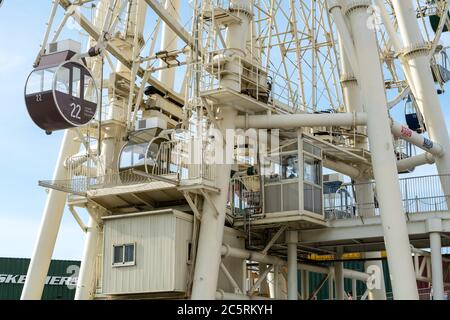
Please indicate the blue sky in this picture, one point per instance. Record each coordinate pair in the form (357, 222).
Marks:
(28, 155)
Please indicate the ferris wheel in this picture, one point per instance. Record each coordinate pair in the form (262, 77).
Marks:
(138, 78)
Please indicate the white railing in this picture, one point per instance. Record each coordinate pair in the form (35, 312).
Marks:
(177, 157)
(419, 194)
(245, 195)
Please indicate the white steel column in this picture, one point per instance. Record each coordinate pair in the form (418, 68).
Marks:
(363, 186)
(212, 227)
(169, 42)
(436, 266)
(371, 81)
(213, 218)
(434, 227)
(339, 277)
(354, 290)
(292, 240)
(86, 278)
(416, 53)
(331, 284)
(50, 223)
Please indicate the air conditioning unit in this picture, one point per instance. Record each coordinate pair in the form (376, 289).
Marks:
(151, 123)
(333, 177)
(64, 45)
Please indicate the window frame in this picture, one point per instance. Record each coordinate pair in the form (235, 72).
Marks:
(123, 263)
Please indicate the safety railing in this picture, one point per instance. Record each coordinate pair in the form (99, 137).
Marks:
(245, 196)
(419, 194)
(174, 161)
(177, 157)
(81, 185)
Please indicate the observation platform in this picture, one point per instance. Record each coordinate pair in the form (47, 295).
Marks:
(340, 153)
(241, 102)
(297, 219)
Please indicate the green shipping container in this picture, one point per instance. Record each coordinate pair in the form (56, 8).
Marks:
(316, 278)
(59, 283)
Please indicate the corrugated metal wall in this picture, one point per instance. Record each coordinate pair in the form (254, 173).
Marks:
(13, 271)
(161, 240)
(316, 278)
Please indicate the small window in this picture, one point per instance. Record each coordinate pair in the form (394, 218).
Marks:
(124, 255)
(290, 166)
(89, 91)
(76, 82)
(312, 171)
(118, 254)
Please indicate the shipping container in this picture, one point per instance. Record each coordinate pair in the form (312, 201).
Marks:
(60, 282)
(316, 278)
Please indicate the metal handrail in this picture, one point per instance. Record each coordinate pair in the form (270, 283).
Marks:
(419, 194)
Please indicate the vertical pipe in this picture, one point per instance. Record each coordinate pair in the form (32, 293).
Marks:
(291, 240)
(354, 290)
(212, 227)
(244, 277)
(436, 266)
(276, 282)
(339, 277)
(271, 280)
(50, 223)
(86, 279)
(363, 187)
(213, 220)
(331, 284)
(371, 81)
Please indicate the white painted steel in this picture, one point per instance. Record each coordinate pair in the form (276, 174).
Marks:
(86, 279)
(211, 230)
(371, 82)
(402, 131)
(213, 219)
(415, 161)
(417, 57)
(339, 277)
(286, 121)
(354, 103)
(437, 274)
(291, 240)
